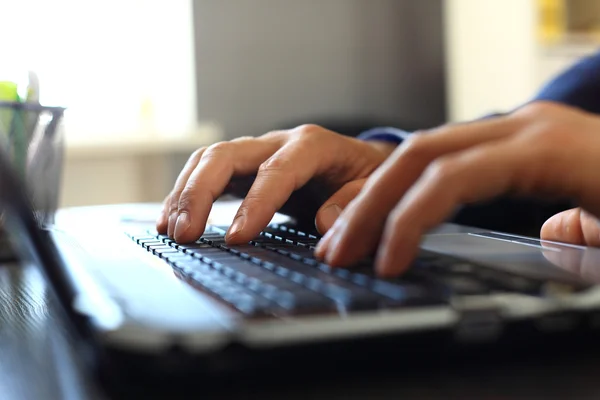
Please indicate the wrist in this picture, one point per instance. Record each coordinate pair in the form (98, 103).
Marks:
(384, 139)
(384, 147)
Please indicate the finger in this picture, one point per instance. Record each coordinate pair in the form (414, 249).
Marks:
(162, 222)
(278, 177)
(573, 226)
(169, 212)
(218, 164)
(475, 174)
(363, 220)
(332, 208)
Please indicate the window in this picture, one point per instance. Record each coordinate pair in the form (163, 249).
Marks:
(122, 67)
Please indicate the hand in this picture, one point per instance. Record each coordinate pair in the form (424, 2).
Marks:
(285, 161)
(541, 149)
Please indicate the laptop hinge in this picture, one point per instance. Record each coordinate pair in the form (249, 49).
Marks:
(480, 319)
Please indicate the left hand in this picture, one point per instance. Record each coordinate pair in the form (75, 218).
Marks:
(541, 149)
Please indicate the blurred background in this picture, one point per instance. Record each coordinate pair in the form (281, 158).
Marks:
(146, 82)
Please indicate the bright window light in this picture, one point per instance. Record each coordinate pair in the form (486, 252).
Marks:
(122, 67)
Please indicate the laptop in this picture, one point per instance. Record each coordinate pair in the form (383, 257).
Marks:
(139, 301)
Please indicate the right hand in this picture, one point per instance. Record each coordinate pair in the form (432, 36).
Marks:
(284, 161)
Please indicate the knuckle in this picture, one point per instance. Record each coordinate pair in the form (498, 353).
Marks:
(217, 150)
(545, 136)
(195, 156)
(307, 130)
(415, 147)
(173, 203)
(274, 135)
(537, 109)
(273, 165)
(186, 198)
(442, 169)
(244, 208)
(549, 136)
(243, 139)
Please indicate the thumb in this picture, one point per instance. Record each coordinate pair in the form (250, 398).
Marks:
(332, 208)
(574, 226)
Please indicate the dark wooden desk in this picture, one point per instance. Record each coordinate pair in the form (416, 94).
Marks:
(37, 362)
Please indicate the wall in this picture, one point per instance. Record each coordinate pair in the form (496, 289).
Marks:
(491, 55)
(265, 64)
(494, 59)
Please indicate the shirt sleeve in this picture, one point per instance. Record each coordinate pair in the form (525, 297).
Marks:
(578, 86)
(385, 134)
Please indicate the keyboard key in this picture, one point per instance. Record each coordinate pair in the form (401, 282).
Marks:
(342, 273)
(163, 252)
(360, 279)
(325, 268)
(391, 290)
(268, 265)
(164, 238)
(219, 256)
(153, 249)
(276, 272)
(282, 271)
(267, 256)
(268, 290)
(186, 263)
(142, 239)
(302, 252)
(175, 257)
(215, 241)
(313, 284)
(310, 261)
(195, 267)
(194, 247)
(353, 299)
(337, 293)
(251, 305)
(147, 244)
(303, 300)
(297, 277)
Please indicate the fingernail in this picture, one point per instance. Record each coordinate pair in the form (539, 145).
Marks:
(330, 214)
(238, 224)
(182, 224)
(172, 222)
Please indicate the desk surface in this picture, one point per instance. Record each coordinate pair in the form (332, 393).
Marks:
(37, 362)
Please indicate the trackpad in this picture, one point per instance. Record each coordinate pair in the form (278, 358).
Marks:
(527, 257)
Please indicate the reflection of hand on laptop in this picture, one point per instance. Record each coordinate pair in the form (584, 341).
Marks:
(284, 160)
(574, 226)
(541, 149)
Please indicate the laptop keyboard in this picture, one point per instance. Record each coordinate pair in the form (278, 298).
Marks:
(277, 274)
